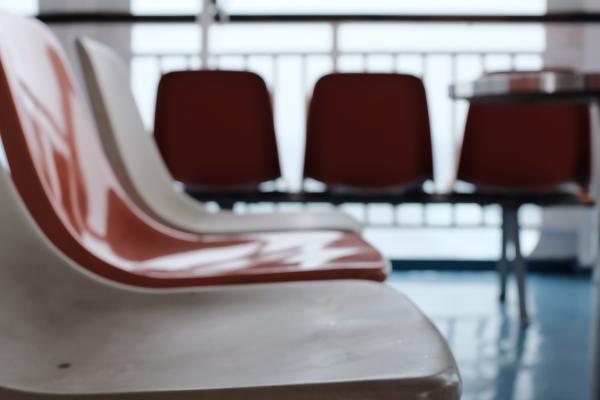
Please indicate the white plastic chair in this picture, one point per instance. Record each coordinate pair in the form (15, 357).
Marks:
(138, 164)
(66, 333)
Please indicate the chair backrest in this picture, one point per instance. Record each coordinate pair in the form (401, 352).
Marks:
(64, 179)
(129, 147)
(215, 128)
(526, 146)
(368, 131)
(59, 168)
(135, 158)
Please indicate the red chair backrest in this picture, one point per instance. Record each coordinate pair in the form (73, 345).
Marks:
(215, 128)
(368, 131)
(526, 146)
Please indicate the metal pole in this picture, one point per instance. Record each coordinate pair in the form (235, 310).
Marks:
(205, 19)
(335, 47)
(503, 262)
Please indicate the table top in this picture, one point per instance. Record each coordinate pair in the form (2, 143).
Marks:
(528, 86)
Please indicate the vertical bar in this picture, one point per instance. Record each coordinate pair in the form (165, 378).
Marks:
(335, 46)
(503, 262)
(304, 81)
(454, 110)
(397, 62)
(205, 20)
(482, 57)
(453, 126)
(365, 62)
(274, 75)
(520, 269)
(160, 60)
(305, 99)
(245, 61)
(424, 67)
(512, 57)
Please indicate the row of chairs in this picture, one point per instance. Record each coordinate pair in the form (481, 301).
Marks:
(367, 135)
(364, 131)
(104, 298)
(370, 134)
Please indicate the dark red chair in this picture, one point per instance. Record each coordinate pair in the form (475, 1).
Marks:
(368, 131)
(516, 151)
(526, 147)
(215, 129)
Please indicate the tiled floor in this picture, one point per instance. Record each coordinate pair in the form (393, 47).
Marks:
(549, 360)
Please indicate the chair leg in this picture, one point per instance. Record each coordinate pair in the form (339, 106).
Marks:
(503, 262)
(519, 265)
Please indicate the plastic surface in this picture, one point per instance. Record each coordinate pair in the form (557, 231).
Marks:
(59, 168)
(140, 169)
(67, 334)
(215, 128)
(522, 146)
(369, 131)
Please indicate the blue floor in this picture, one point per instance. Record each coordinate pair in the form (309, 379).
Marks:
(550, 360)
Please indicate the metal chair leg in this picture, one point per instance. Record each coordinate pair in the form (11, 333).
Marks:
(503, 262)
(519, 265)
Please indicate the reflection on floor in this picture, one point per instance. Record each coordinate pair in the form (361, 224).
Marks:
(550, 360)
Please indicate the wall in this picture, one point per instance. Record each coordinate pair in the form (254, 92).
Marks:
(118, 36)
(571, 231)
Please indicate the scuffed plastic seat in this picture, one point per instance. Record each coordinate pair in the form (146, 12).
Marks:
(68, 186)
(66, 334)
(141, 171)
(368, 132)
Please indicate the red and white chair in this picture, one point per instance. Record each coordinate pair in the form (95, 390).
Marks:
(73, 324)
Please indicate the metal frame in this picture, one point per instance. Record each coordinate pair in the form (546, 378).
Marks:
(556, 18)
(337, 198)
(510, 218)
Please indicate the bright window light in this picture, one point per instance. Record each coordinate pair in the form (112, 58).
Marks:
(162, 7)
(21, 7)
(385, 6)
(346, 6)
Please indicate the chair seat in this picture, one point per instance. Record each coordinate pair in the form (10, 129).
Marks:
(343, 340)
(261, 257)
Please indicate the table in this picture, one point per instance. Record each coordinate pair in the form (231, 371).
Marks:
(546, 86)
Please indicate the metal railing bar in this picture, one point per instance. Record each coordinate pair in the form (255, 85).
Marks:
(115, 17)
(346, 53)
